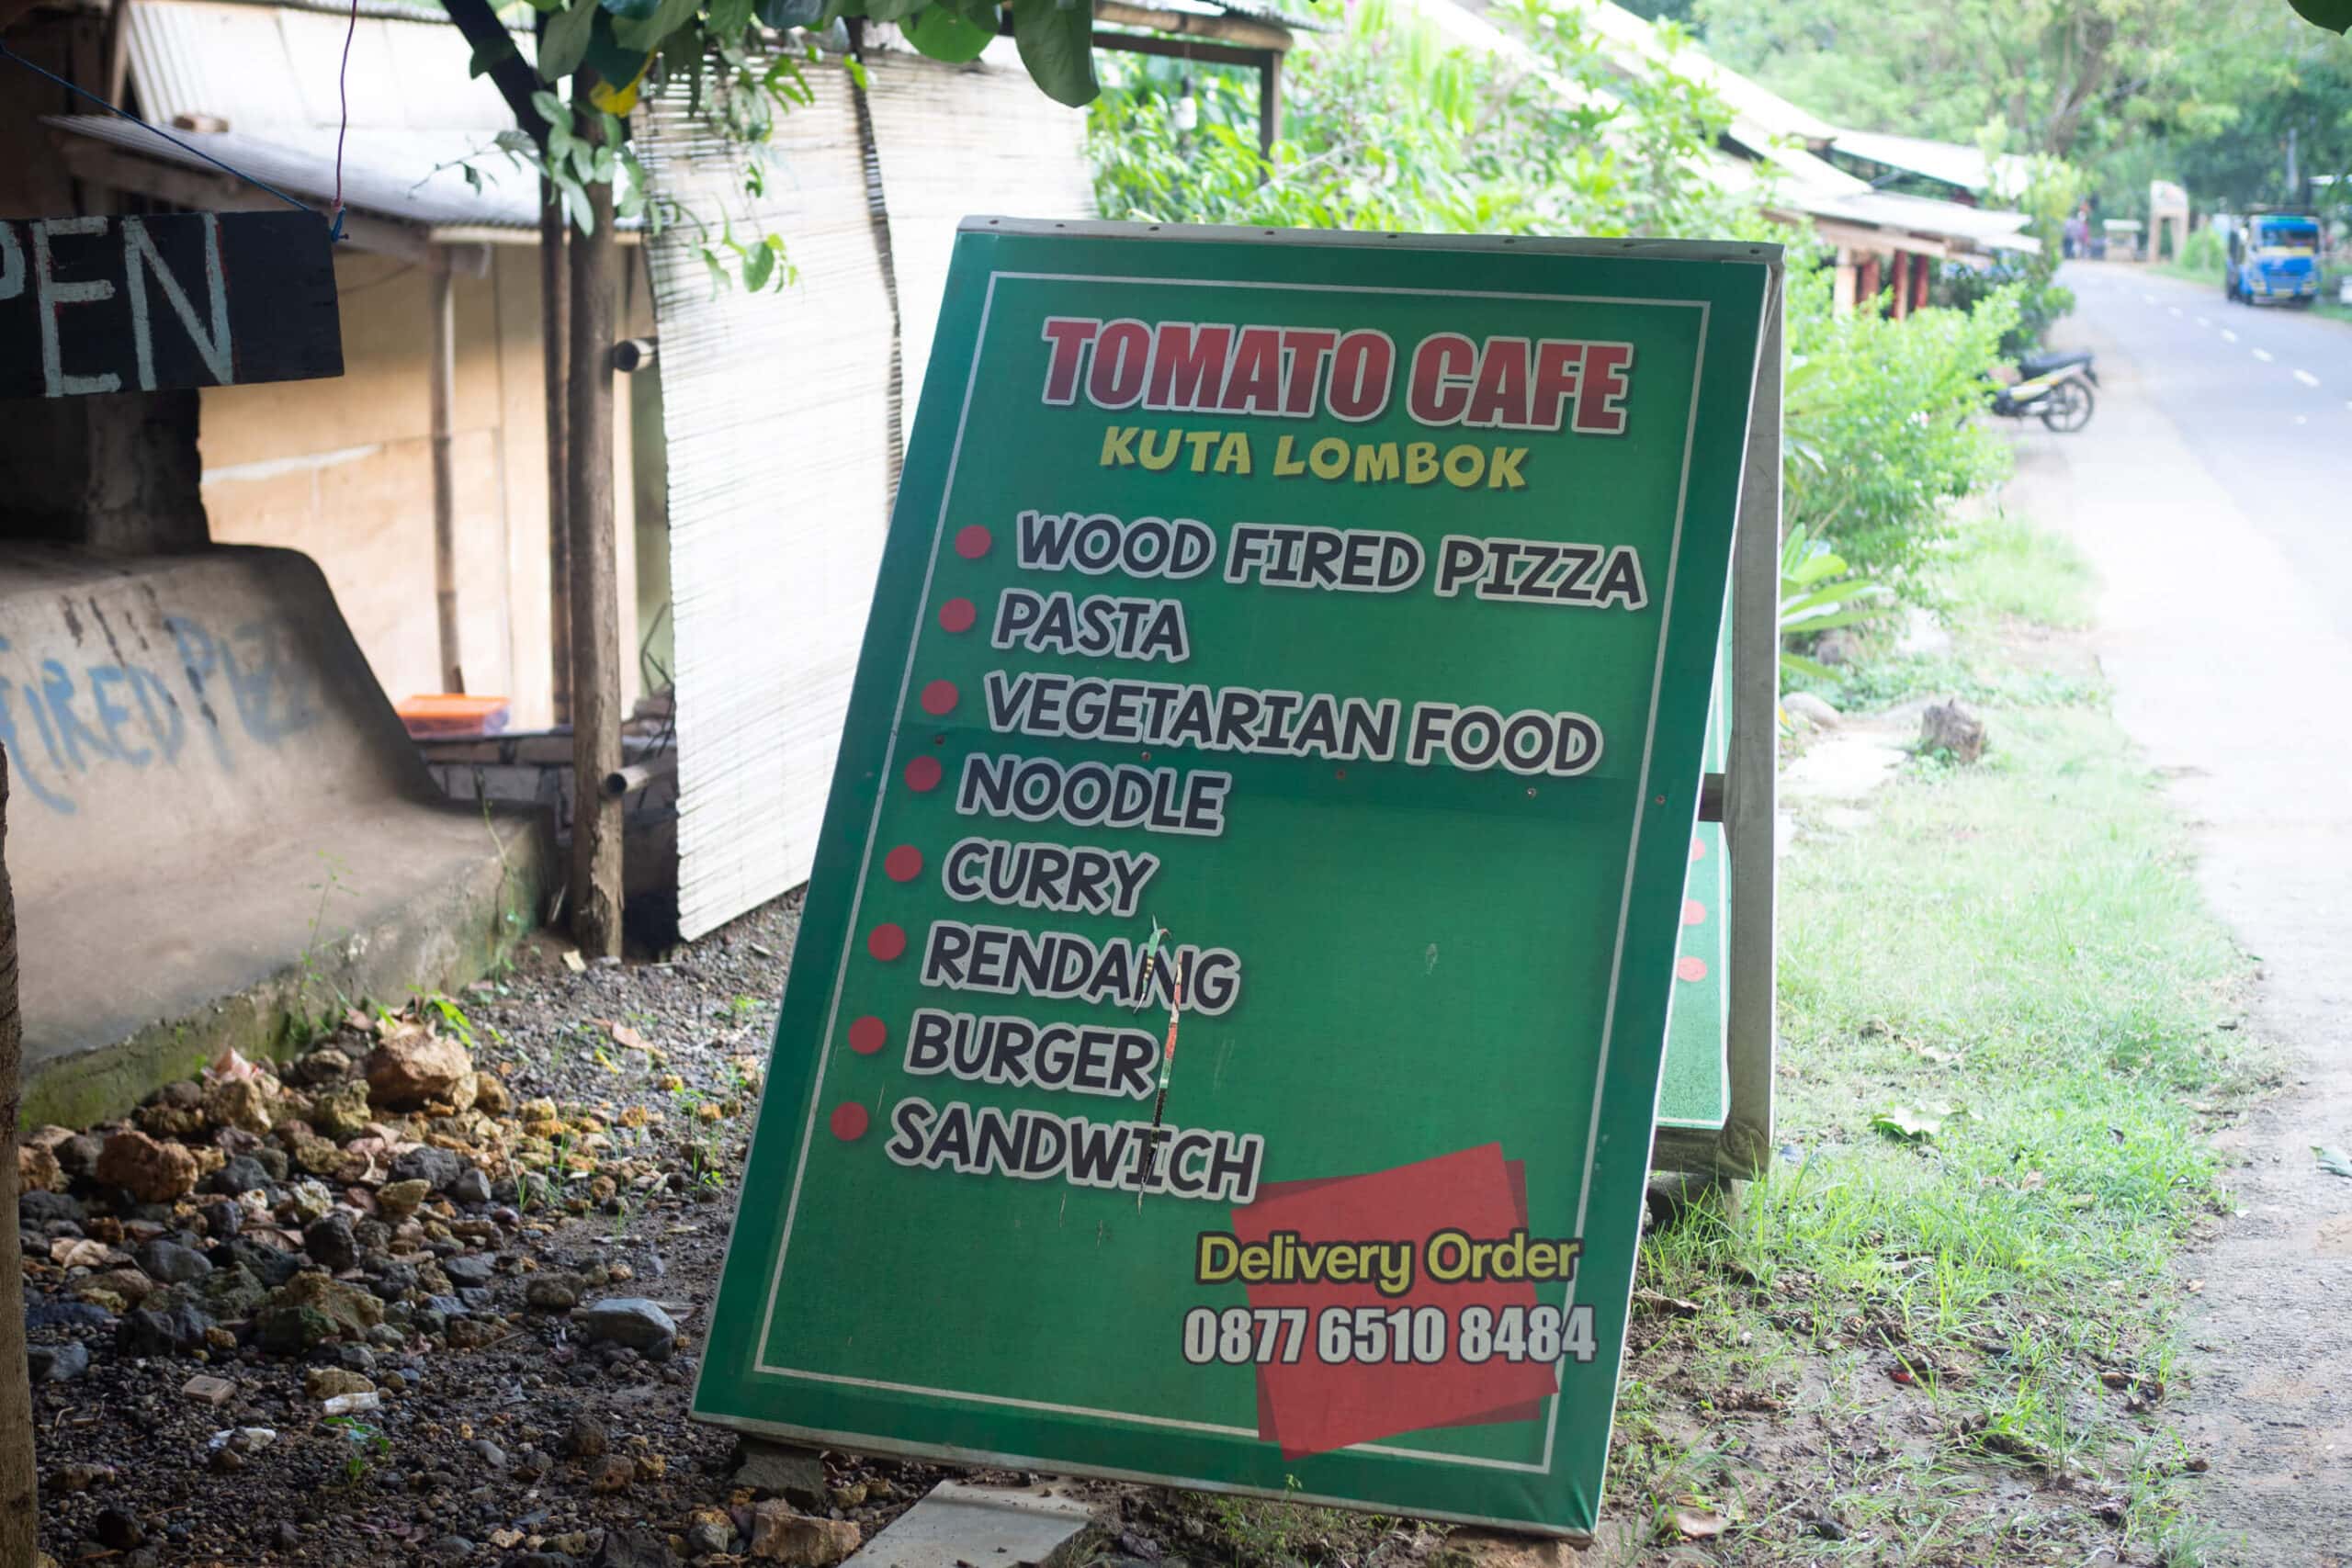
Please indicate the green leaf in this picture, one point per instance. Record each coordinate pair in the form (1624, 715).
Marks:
(1913, 1123)
(2333, 1160)
(629, 10)
(575, 206)
(566, 43)
(497, 52)
(948, 34)
(728, 19)
(1798, 664)
(551, 108)
(2335, 15)
(758, 263)
(1056, 44)
(784, 15)
(643, 35)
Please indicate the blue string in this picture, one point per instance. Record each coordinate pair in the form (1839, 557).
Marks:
(5, 52)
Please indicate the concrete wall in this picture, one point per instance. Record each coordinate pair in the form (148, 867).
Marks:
(216, 824)
(343, 471)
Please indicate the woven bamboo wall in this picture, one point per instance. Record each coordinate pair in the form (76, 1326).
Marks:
(779, 413)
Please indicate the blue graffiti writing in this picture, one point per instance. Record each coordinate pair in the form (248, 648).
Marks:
(127, 715)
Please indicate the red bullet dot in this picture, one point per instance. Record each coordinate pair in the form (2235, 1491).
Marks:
(848, 1121)
(958, 615)
(922, 774)
(903, 863)
(1694, 912)
(973, 542)
(1698, 848)
(868, 1036)
(939, 698)
(1688, 968)
(886, 942)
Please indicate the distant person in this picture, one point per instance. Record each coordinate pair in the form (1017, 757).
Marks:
(2078, 236)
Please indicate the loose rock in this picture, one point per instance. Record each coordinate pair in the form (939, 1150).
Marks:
(779, 1535)
(57, 1363)
(331, 1244)
(632, 1321)
(175, 1330)
(150, 1171)
(415, 1066)
(435, 1167)
(171, 1264)
(1951, 727)
(325, 1383)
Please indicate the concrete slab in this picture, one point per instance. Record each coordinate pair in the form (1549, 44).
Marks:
(218, 827)
(989, 1527)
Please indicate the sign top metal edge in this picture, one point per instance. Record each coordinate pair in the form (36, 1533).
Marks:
(1632, 247)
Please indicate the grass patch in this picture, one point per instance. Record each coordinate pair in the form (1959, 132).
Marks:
(2002, 565)
(1958, 1341)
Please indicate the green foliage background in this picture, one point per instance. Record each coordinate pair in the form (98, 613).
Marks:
(1386, 126)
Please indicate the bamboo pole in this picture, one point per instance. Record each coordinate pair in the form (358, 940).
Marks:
(555, 326)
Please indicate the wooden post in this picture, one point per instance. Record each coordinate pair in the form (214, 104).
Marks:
(1269, 111)
(1751, 768)
(444, 375)
(19, 1495)
(595, 574)
(555, 327)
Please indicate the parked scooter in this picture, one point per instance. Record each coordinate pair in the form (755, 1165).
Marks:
(2053, 388)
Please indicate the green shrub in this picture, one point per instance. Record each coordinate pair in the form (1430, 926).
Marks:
(2204, 251)
(1878, 418)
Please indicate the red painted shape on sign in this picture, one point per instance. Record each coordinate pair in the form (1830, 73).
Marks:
(958, 615)
(849, 1121)
(886, 942)
(922, 774)
(939, 698)
(1311, 1407)
(903, 863)
(868, 1034)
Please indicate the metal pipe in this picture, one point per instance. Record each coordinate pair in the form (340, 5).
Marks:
(443, 374)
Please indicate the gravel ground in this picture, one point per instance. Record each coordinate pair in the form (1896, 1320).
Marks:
(504, 1429)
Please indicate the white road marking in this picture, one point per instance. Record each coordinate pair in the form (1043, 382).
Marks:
(2264, 355)
(2228, 336)
(2204, 320)
(2307, 378)
(2174, 309)
(2303, 419)
(2149, 298)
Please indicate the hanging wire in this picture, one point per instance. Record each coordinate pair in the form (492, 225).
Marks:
(7, 53)
(343, 96)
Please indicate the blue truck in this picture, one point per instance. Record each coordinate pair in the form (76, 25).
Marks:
(2274, 259)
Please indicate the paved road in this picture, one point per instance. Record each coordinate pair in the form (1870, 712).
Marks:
(2261, 394)
(2212, 492)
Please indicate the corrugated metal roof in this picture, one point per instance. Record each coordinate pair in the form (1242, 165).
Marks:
(272, 73)
(263, 68)
(1946, 163)
(393, 174)
(1979, 227)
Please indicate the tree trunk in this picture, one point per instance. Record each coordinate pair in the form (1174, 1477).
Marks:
(19, 1501)
(596, 608)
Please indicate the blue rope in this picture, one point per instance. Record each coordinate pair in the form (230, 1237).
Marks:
(5, 52)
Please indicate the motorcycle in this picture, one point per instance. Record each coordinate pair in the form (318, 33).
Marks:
(2053, 388)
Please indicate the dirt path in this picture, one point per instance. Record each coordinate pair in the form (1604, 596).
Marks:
(2230, 672)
